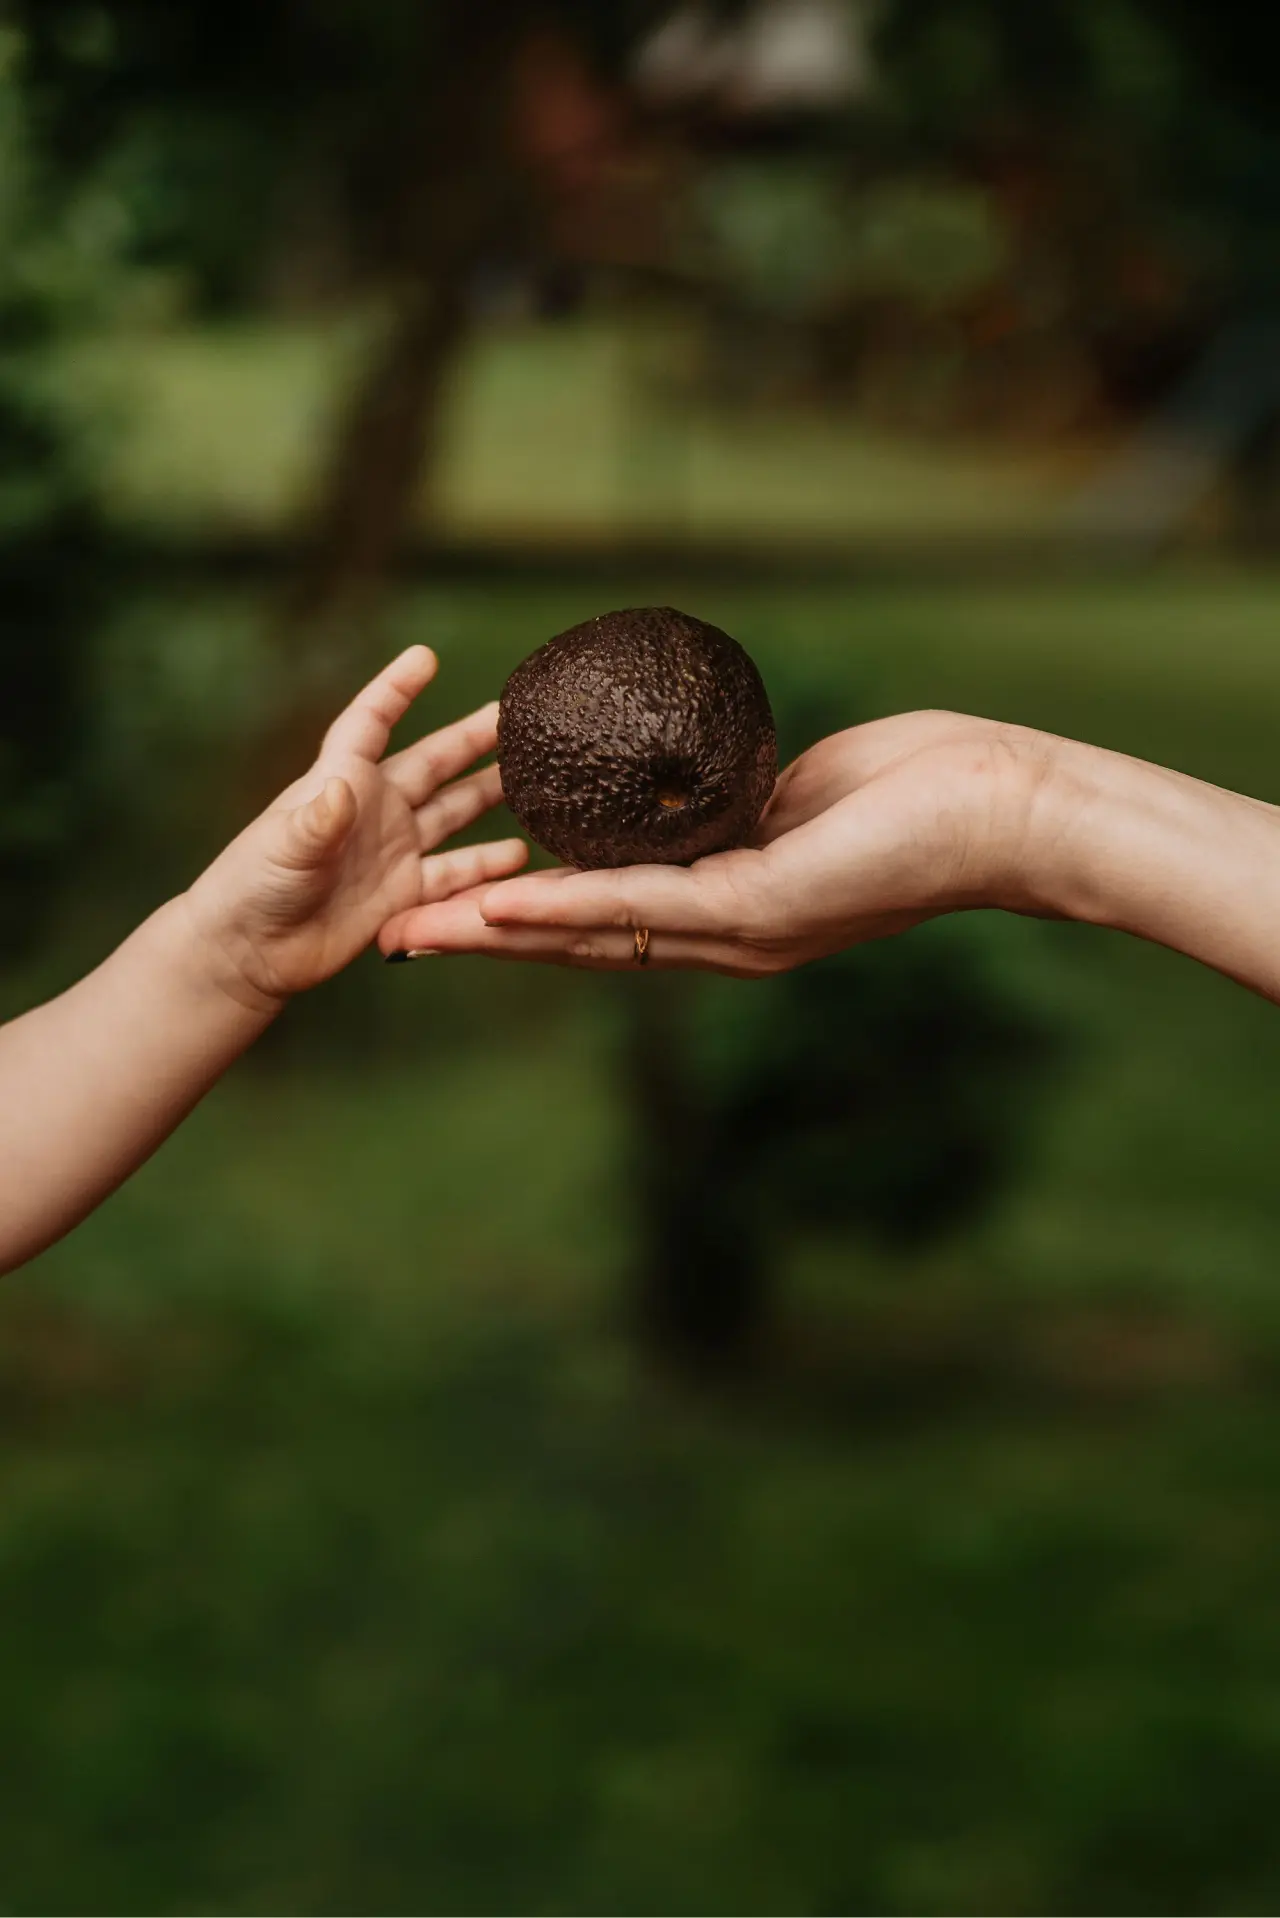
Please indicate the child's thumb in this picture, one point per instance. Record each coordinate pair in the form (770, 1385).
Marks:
(314, 832)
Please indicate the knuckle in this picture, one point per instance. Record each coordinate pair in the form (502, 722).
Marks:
(609, 903)
(299, 847)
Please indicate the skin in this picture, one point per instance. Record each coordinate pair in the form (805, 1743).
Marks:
(92, 1082)
(875, 829)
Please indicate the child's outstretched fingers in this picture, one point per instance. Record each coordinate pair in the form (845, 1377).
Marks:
(422, 768)
(365, 726)
(458, 805)
(446, 873)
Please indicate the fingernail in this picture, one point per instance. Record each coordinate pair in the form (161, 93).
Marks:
(423, 952)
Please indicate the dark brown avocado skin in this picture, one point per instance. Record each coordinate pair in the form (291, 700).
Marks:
(640, 737)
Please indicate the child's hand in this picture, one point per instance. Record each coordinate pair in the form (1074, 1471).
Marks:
(306, 887)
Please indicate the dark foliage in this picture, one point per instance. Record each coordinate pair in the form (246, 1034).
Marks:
(887, 1094)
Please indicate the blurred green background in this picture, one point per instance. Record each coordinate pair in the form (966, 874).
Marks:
(545, 1442)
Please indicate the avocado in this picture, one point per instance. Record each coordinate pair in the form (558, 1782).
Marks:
(640, 737)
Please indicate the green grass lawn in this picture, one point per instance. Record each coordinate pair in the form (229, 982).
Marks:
(570, 432)
(348, 1563)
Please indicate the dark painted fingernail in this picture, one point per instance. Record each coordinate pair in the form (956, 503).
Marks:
(395, 958)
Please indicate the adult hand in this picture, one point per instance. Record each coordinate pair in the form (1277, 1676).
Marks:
(867, 833)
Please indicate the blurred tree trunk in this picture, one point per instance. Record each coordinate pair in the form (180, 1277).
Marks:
(698, 1289)
(520, 128)
(458, 187)
(382, 448)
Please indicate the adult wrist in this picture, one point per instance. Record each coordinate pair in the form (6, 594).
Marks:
(1074, 820)
(1138, 848)
(1098, 834)
(1020, 786)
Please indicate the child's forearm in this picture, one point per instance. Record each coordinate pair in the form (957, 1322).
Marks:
(1125, 844)
(91, 1083)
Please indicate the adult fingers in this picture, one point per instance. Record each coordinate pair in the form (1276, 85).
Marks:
(456, 926)
(464, 867)
(364, 727)
(719, 897)
(458, 805)
(420, 768)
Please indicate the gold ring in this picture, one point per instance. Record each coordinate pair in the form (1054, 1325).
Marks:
(642, 947)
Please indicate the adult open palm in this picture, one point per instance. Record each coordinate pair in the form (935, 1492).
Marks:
(867, 833)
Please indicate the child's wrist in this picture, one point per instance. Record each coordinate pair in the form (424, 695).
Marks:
(208, 959)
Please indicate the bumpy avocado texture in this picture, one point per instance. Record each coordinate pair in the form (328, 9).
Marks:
(640, 737)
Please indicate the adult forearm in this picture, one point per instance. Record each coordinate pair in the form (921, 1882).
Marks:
(91, 1083)
(1118, 842)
